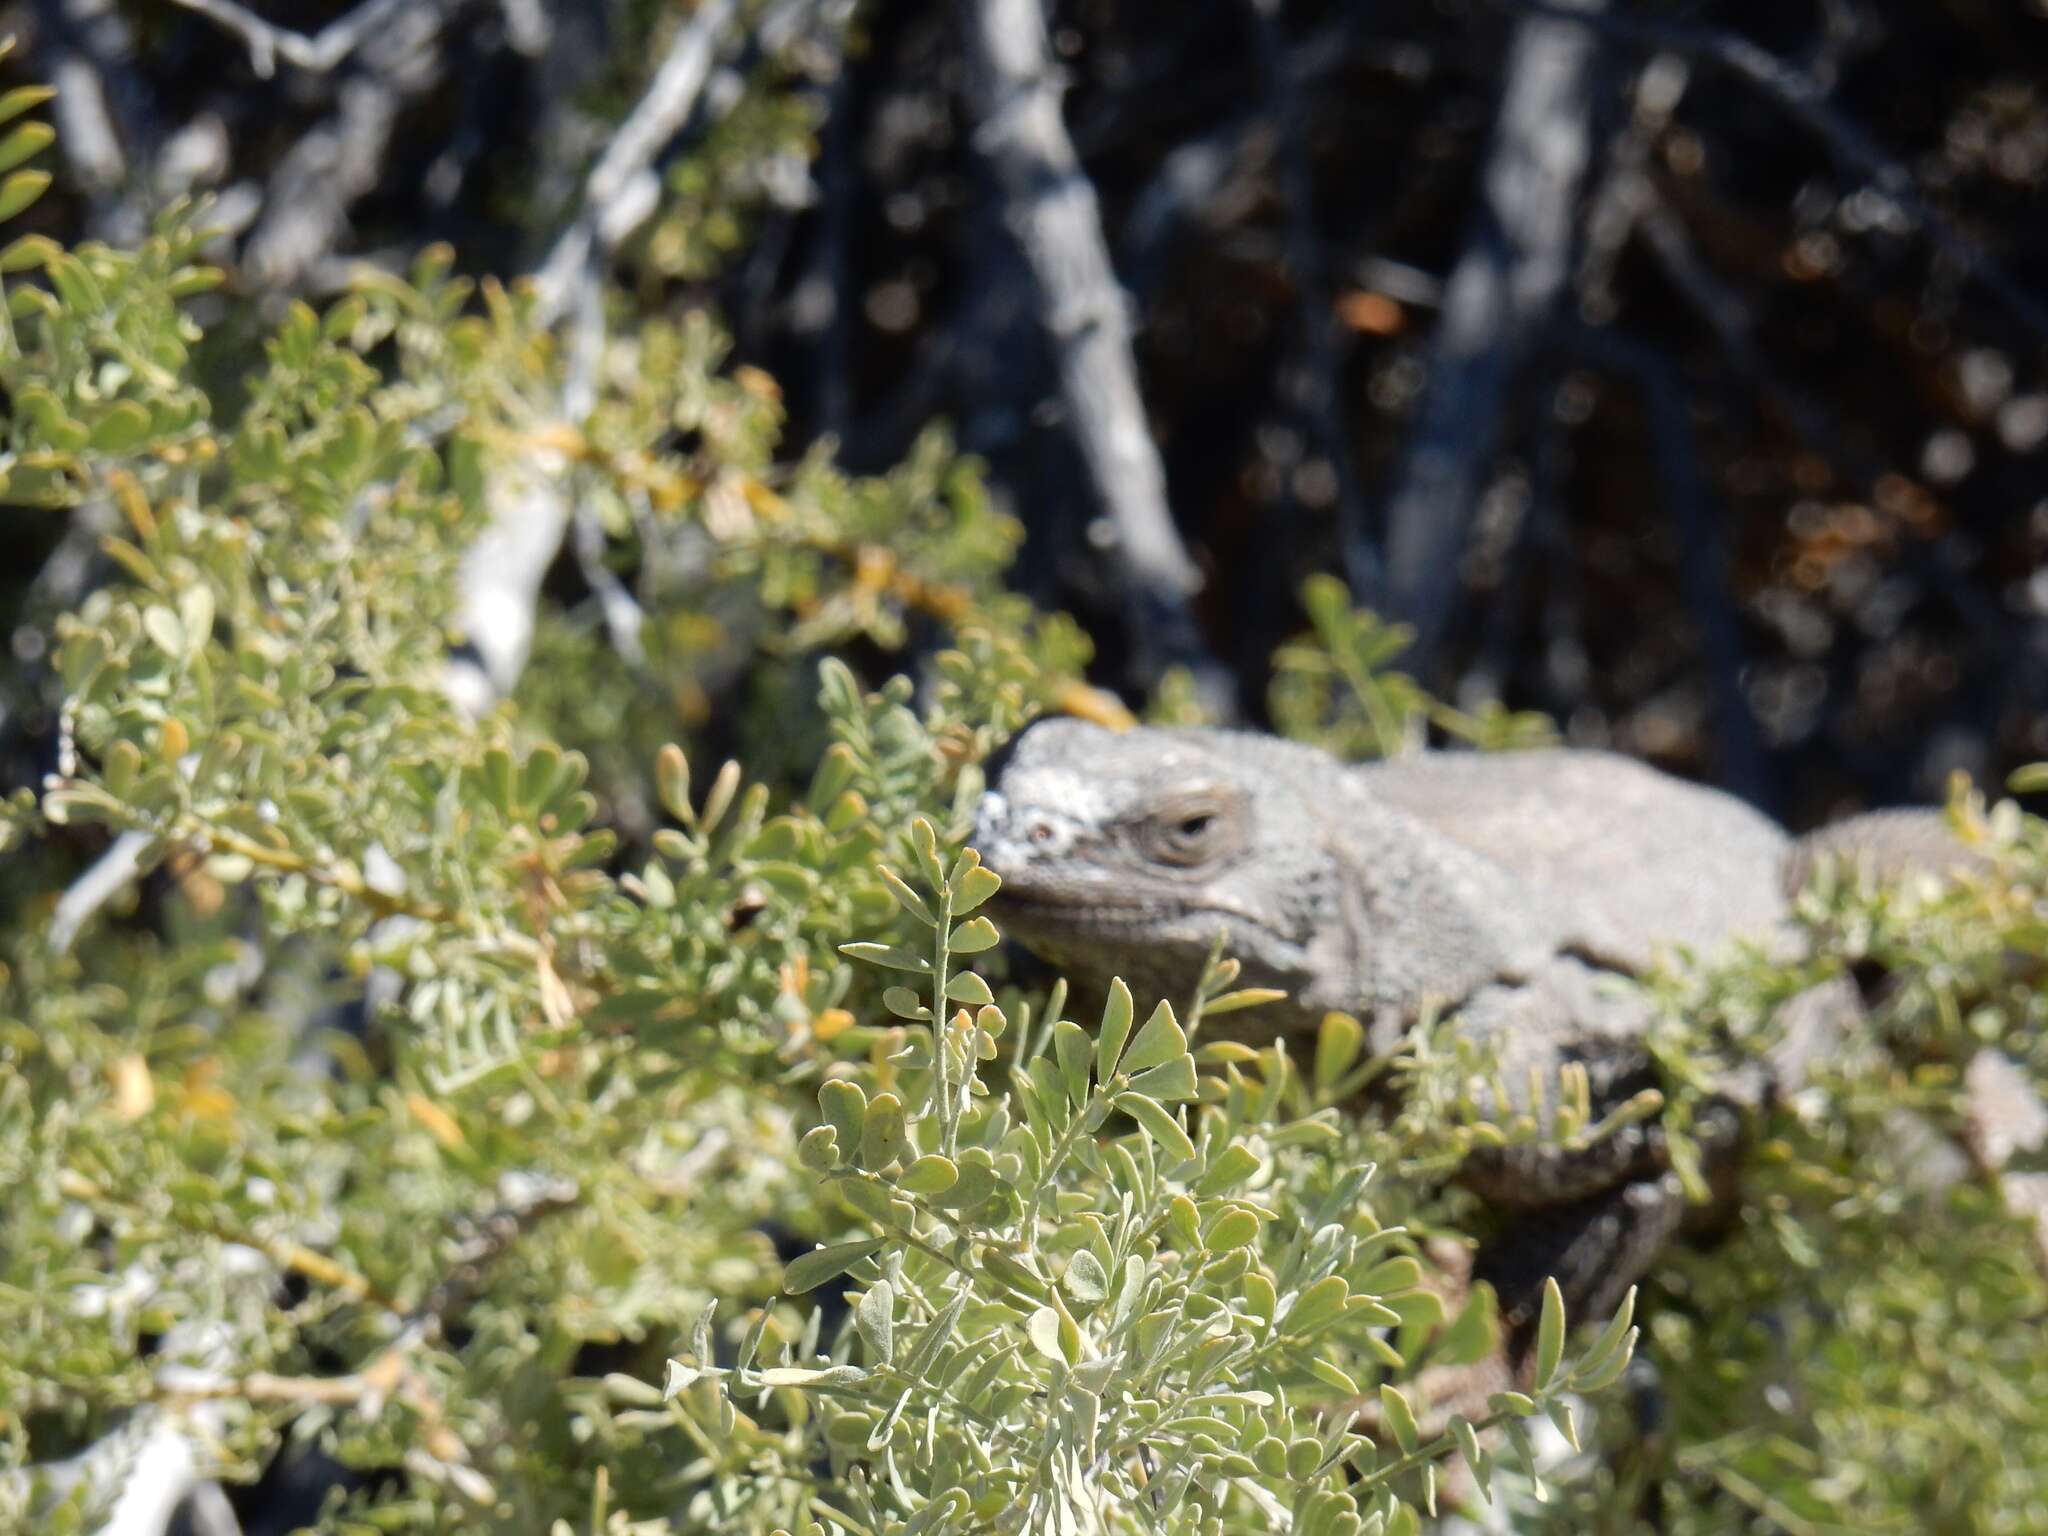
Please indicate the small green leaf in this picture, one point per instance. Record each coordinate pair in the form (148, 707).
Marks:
(904, 1003)
(931, 1174)
(884, 1138)
(162, 627)
(719, 799)
(1259, 1297)
(27, 140)
(875, 1317)
(819, 1149)
(1243, 997)
(23, 98)
(906, 898)
(1398, 1274)
(845, 1108)
(195, 613)
(1011, 1272)
(970, 989)
(1159, 1124)
(1086, 1280)
(1160, 1041)
(2029, 779)
(1399, 1417)
(1044, 1332)
(672, 783)
(974, 886)
(21, 189)
(1612, 1338)
(1549, 1335)
(924, 843)
(1115, 1029)
(890, 955)
(1235, 1228)
(497, 779)
(1228, 1168)
(28, 251)
(811, 1270)
(1175, 1082)
(1320, 1304)
(1338, 1042)
(1070, 1047)
(1330, 1376)
(974, 936)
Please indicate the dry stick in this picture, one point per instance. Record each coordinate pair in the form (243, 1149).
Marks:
(1805, 98)
(109, 875)
(1508, 277)
(502, 572)
(1051, 209)
(622, 188)
(75, 58)
(319, 53)
(344, 156)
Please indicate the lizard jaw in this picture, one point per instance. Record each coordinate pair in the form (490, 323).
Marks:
(1037, 912)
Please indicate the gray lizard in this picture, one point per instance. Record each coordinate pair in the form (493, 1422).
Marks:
(1511, 889)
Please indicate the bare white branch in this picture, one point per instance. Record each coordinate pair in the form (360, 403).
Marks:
(622, 188)
(319, 54)
(110, 874)
(1051, 207)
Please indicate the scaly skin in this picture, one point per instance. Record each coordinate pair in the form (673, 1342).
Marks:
(1509, 888)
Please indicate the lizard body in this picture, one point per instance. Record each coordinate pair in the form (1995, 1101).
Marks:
(1511, 888)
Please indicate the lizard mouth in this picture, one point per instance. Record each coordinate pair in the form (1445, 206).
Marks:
(1058, 909)
(1040, 911)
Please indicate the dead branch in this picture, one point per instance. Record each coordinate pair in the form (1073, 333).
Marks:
(1051, 209)
(622, 188)
(1504, 284)
(110, 874)
(306, 204)
(317, 54)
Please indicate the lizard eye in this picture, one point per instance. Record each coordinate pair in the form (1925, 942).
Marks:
(1188, 834)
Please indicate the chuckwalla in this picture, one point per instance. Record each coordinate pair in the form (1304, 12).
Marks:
(1507, 888)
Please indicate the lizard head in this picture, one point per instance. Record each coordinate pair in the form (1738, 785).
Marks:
(1126, 853)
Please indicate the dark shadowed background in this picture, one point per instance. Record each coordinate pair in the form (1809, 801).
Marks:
(1676, 369)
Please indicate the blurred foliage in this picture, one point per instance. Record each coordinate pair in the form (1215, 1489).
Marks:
(1334, 687)
(442, 1086)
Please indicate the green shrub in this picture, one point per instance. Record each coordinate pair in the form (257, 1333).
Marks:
(433, 1087)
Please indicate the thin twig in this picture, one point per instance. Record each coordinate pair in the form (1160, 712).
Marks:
(318, 54)
(343, 157)
(622, 188)
(1052, 210)
(624, 619)
(110, 874)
